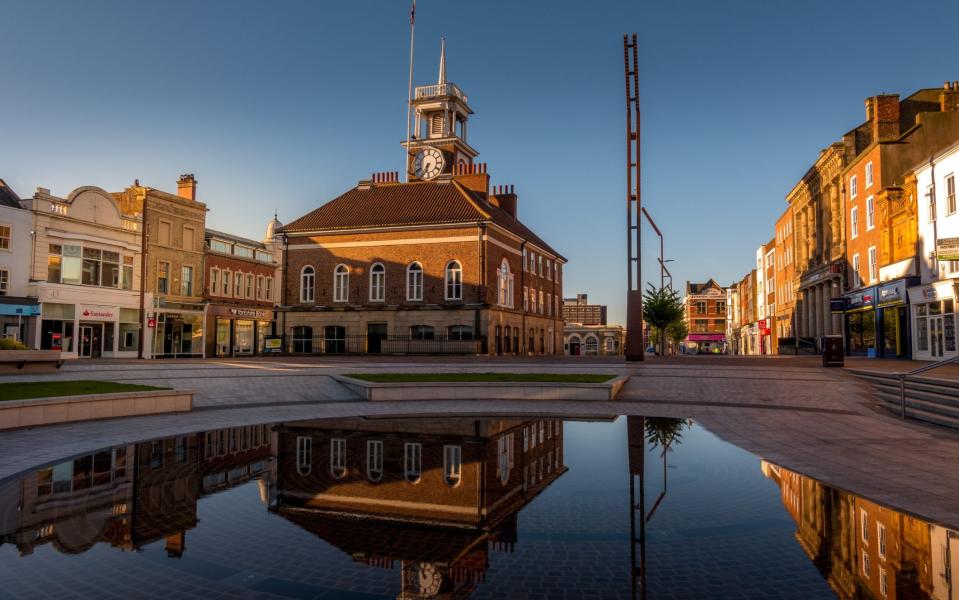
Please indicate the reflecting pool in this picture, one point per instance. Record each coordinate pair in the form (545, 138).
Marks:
(626, 507)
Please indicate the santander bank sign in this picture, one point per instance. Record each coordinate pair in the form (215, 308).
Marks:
(97, 313)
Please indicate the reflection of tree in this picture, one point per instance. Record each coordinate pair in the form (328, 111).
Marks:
(663, 432)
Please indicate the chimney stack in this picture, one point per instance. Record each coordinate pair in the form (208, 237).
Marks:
(882, 112)
(949, 98)
(186, 187)
(504, 197)
(473, 177)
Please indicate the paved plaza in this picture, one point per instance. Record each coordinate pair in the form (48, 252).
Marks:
(823, 423)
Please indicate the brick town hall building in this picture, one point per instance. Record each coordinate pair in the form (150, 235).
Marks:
(438, 264)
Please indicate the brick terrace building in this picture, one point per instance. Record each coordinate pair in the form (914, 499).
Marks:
(241, 287)
(438, 264)
(785, 290)
(579, 310)
(705, 306)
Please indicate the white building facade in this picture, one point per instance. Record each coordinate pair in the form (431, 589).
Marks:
(85, 272)
(18, 310)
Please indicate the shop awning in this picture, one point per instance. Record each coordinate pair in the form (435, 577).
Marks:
(706, 337)
(13, 306)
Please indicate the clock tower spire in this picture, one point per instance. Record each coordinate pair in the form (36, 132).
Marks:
(438, 144)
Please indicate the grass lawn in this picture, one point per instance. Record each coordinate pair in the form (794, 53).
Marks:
(47, 389)
(481, 377)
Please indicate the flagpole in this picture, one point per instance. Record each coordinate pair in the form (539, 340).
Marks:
(409, 100)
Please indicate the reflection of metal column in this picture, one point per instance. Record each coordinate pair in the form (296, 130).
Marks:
(635, 346)
(636, 440)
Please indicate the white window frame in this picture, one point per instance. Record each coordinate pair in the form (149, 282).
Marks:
(414, 282)
(214, 282)
(338, 457)
(374, 460)
(452, 464)
(870, 213)
(950, 184)
(857, 278)
(881, 539)
(308, 284)
(378, 282)
(5, 240)
(873, 265)
(931, 205)
(412, 461)
(304, 454)
(4, 282)
(341, 283)
(869, 175)
(854, 222)
(453, 280)
(864, 525)
(853, 187)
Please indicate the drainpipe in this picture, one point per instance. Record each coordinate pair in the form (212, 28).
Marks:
(143, 278)
(522, 286)
(935, 222)
(482, 289)
(283, 274)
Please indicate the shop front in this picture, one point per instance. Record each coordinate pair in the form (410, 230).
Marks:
(89, 330)
(17, 316)
(239, 331)
(705, 343)
(933, 320)
(179, 331)
(861, 323)
(893, 312)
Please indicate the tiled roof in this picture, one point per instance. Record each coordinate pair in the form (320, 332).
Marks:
(8, 197)
(696, 288)
(404, 204)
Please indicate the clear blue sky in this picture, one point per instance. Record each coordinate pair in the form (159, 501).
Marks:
(287, 104)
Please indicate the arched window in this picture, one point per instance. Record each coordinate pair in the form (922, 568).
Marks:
(377, 283)
(452, 464)
(307, 284)
(592, 344)
(454, 281)
(505, 284)
(414, 282)
(374, 460)
(304, 454)
(338, 457)
(341, 283)
(412, 461)
(609, 344)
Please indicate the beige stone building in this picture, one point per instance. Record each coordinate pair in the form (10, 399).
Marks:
(172, 252)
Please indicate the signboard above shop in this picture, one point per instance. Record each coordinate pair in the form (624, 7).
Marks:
(947, 248)
(91, 312)
(864, 300)
(236, 312)
(892, 294)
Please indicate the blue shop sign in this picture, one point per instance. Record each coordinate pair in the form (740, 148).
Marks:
(864, 300)
(22, 310)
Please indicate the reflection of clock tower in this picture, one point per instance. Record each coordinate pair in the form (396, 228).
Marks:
(438, 144)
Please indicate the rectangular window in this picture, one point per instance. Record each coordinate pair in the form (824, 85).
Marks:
(238, 285)
(163, 277)
(338, 457)
(452, 464)
(249, 285)
(412, 461)
(873, 265)
(540, 311)
(227, 279)
(218, 246)
(4, 237)
(269, 288)
(853, 187)
(856, 278)
(881, 539)
(870, 213)
(865, 564)
(931, 195)
(304, 454)
(374, 459)
(883, 582)
(163, 233)
(854, 222)
(127, 273)
(950, 194)
(186, 284)
(214, 282)
(868, 175)
(525, 298)
(4, 282)
(864, 525)
(189, 238)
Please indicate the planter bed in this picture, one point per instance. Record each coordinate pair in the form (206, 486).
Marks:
(21, 362)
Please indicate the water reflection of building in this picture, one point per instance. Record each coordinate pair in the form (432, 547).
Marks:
(132, 495)
(866, 550)
(432, 498)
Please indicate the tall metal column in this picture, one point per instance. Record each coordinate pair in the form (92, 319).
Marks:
(635, 344)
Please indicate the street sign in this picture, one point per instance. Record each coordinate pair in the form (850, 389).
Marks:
(151, 322)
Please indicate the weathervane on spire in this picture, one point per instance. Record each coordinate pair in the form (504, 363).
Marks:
(442, 78)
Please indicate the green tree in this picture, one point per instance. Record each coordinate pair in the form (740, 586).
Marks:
(660, 308)
(678, 330)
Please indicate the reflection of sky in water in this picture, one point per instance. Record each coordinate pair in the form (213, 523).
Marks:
(720, 531)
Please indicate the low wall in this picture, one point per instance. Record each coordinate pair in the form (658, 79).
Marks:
(66, 409)
(498, 390)
(23, 362)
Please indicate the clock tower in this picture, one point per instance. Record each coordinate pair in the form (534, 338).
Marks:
(437, 146)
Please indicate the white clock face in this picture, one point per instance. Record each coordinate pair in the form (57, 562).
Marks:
(428, 163)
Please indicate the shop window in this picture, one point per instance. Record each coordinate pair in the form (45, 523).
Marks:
(334, 339)
(412, 461)
(341, 284)
(377, 283)
(414, 282)
(421, 332)
(56, 334)
(307, 284)
(454, 281)
(304, 455)
(374, 460)
(302, 339)
(452, 464)
(459, 332)
(338, 457)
